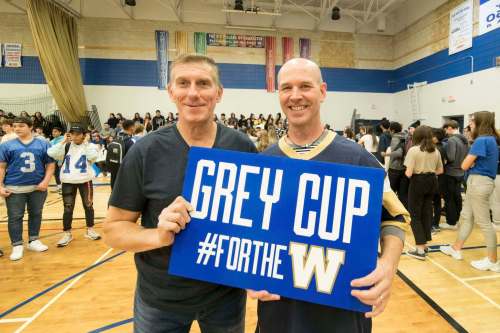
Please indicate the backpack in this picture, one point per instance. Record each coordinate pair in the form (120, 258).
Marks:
(116, 150)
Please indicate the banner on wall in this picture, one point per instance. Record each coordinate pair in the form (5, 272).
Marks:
(305, 48)
(200, 43)
(181, 42)
(461, 27)
(300, 229)
(231, 40)
(287, 48)
(489, 16)
(12, 54)
(162, 58)
(270, 63)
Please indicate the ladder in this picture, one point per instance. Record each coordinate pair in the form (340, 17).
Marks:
(414, 97)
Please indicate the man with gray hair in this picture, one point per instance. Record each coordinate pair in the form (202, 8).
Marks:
(149, 185)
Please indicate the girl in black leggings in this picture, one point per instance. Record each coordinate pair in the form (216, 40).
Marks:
(423, 164)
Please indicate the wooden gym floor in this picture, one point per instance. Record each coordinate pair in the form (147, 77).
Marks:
(87, 287)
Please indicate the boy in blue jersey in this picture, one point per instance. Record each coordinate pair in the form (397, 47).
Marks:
(25, 172)
(301, 92)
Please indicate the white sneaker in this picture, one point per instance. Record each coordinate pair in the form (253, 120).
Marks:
(17, 252)
(486, 265)
(37, 246)
(450, 251)
(92, 234)
(66, 238)
(447, 226)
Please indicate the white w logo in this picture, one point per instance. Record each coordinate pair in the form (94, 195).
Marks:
(305, 264)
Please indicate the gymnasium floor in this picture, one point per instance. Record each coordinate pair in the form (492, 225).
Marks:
(87, 287)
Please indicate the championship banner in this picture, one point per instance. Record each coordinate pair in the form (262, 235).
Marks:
(305, 48)
(161, 38)
(287, 48)
(270, 63)
(489, 15)
(200, 43)
(460, 37)
(181, 42)
(12, 54)
(299, 229)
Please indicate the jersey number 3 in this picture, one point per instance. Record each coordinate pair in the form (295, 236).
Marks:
(29, 161)
(81, 164)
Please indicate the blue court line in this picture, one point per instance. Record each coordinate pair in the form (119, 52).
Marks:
(31, 299)
(435, 248)
(110, 326)
(94, 184)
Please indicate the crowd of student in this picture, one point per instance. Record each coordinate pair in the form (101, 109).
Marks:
(429, 168)
(425, 168)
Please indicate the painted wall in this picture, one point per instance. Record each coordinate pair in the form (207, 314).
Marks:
(457, 96)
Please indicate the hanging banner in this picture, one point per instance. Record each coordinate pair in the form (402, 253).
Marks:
(12, 54)
(181, 42)
(270, 63)
(299, 229)
(461, 27)
(489, 16)
(287, 48)
(305, 48)
(200, 43)
(162, 58)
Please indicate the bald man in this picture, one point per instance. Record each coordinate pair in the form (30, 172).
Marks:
(301, 92)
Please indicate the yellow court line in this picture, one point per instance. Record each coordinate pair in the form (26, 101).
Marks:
(55, 298)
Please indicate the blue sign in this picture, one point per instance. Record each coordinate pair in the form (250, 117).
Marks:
(300, 229)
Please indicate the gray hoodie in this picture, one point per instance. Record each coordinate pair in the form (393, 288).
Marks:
(397, 149)
(456, 149)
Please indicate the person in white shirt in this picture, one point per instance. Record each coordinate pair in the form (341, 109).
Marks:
(76, 174)
(8, 131)
(368, 139)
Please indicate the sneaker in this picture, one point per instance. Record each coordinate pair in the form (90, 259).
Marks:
(92, 234)
(415, 254)
(447, 226)
(435, 230)
(37, 246)
(450, 251)
(66, 238)
(486, 265)
(17, 252)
